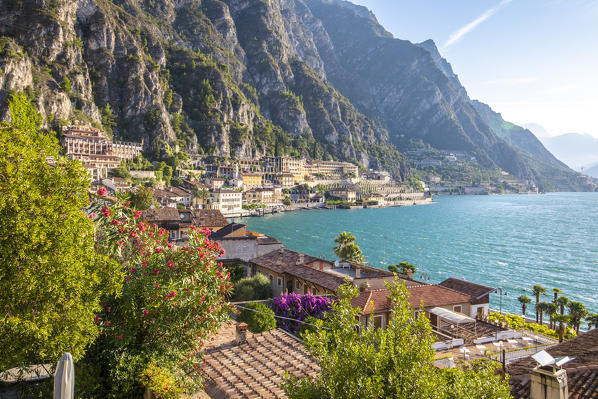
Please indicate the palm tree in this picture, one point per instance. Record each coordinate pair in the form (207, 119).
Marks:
(561, 319)
(538, 290)
(562, 301)
(347, 249)
(541, 307)
(524, 300)
(551, 309)
(201, 194)
(556, 292)
(577, 312)
(592, 320)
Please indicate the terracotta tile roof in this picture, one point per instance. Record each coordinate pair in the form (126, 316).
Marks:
(226, 230)
(256, 368)
(158, 215)
(582, 372)
(295, 263)
(372, 301)
(278, 261)
(475, 291)
(208, 218)
(435, 295)
(431, 295)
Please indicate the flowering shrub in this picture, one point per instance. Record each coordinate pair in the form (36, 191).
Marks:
(299, 307)
(518, 323)
(172, 301)
(160, 382)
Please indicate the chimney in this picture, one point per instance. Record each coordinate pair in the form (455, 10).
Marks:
(301, 259)
(241, 336)
(357, 272)
(364, 287)
(549, 383)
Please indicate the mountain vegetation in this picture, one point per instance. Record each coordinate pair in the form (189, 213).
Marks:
(312, 78)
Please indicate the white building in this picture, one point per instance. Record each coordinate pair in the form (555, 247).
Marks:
(227, 201)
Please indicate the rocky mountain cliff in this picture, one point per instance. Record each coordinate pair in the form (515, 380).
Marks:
(238, 78)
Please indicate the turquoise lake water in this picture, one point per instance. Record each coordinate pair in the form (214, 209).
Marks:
(509, 241)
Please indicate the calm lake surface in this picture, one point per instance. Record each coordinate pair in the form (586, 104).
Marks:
(509, 241)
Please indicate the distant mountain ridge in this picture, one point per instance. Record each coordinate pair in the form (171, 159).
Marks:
(244, 78)
(575, 149)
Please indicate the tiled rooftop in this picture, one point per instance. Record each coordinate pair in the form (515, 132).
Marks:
(295, 263)
(474, 290)
(256, 368)
(582, 372)
(431, 295)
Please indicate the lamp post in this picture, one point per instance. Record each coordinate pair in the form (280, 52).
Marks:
(502, 292)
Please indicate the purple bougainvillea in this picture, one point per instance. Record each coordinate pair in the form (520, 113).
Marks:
(299, 307)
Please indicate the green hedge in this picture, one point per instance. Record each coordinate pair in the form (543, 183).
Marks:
(518, 323)
(259, 319)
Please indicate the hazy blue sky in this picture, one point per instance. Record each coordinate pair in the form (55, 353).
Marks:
(531, 60)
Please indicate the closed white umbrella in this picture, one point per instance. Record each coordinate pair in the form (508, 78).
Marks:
(64, 378)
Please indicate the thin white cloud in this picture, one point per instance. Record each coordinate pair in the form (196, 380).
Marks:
(464, 30)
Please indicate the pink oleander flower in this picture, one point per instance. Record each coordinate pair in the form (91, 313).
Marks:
(127, 278)
(146, 312)
(133, 270)
(157, 286)
(144, 264)
(102, 191)
(158, 250)
(108, 309)
(106, 212)
(133, 234)
(170, 264)
(96, 319)
(120, 336)
(108, 323)
(156, 272)
(137, 214)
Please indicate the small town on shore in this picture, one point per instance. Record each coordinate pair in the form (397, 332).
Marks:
(206, 191)
(267, 184)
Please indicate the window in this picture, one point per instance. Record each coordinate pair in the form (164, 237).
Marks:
(297, 284)
(458, 308)
(378, 321)
(271, 278)
(279, 281)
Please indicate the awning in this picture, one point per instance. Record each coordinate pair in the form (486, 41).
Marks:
(449, 315)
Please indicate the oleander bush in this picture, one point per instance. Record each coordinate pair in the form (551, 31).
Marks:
(518, 323)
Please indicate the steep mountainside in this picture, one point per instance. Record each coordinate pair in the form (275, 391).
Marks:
(238, 78)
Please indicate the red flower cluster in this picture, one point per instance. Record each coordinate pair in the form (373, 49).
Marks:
(102, 191)
(170, 295)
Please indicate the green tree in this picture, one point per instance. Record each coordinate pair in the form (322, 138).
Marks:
(347, 249)
(253, 288)
(200, 194)
(562, 301)
(551, 310)
(259, 317)
(66, 85)
(524, 300)
(592, 319)
(50, 277)
(541, 307)
(556, 292)
(396, 362)
(142, 198)
(561, 320)
(538, 290)
(108, 118)
(577, 312)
